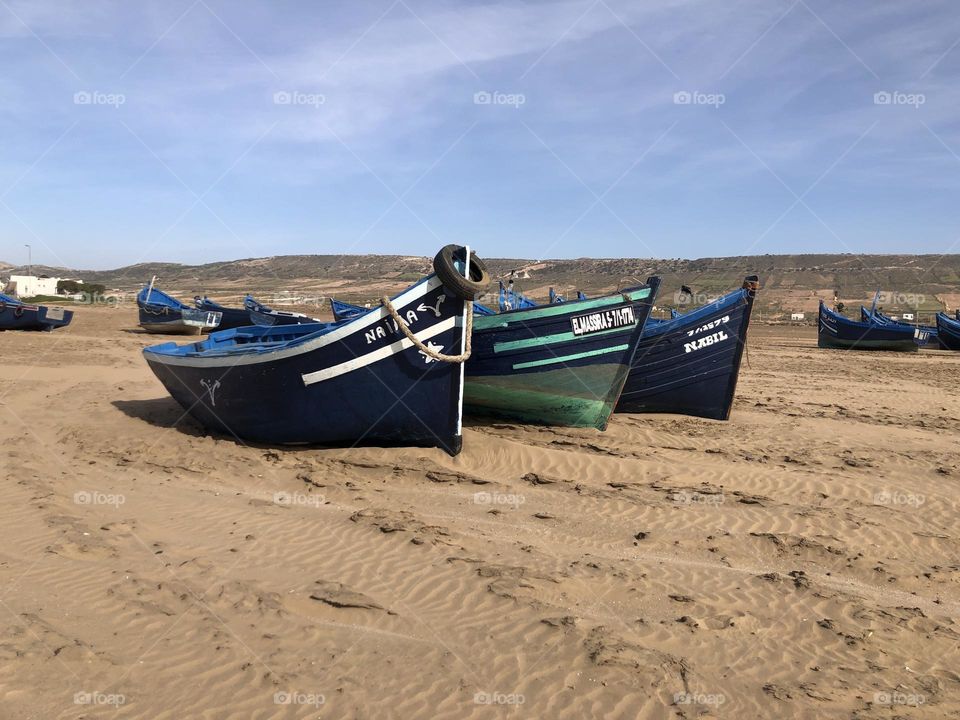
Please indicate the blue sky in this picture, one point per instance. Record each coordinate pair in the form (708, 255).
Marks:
(201, 130)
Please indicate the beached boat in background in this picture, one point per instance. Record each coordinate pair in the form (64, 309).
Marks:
(877, 316)
(559, 364)
(160, 313)
(359, 380)
(344, 310)
(18, 315)
(690, 364)
(265, 316)
(229, 317)
(948, 331)
(837, 331)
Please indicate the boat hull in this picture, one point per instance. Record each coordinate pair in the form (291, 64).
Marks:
(172, 321)
(878, 317)
(840, 333)
(33, 317)
(689, 365)
(345, 311)
(948, 332)
(230, 318)
(557, 364)
(359, 381)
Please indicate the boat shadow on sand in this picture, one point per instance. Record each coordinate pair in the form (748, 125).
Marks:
(167, 413)
(162, 413)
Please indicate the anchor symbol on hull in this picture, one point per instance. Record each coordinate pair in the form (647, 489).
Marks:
(423, 307)
(211, 389)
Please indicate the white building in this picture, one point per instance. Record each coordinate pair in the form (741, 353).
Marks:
(796, 316)
(30, 285)
(907, 316)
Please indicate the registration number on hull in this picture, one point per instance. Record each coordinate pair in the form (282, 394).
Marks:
(603, 320)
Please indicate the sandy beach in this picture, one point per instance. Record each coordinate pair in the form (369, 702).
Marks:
(799, 561)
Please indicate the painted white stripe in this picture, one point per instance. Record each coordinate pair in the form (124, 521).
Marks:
(378, 354)
(353, 326)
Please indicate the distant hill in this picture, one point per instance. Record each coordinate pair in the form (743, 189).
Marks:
(790, 282)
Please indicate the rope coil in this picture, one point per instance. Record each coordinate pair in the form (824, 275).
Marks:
(429, 352)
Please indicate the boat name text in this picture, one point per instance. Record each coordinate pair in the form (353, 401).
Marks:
(603, 320)
(705, 341)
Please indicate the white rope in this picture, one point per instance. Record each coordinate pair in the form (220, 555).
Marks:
(429, 352)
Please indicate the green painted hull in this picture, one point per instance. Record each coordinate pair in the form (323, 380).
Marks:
(573, 397)
(563, 364)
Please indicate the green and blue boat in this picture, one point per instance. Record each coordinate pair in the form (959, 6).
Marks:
(563, 364)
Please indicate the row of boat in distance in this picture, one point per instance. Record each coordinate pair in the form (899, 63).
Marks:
(878, 331)
(408, 370)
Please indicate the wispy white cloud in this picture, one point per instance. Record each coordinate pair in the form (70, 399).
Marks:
(393, 84)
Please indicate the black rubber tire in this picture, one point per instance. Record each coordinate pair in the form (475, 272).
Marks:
(446, 269)
(18, 311)
(3, 305)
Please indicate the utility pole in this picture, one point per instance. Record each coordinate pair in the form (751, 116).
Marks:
(29, 259)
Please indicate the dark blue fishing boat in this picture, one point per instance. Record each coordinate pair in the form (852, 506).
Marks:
(948, 331)
(264, 316)
(363, 379)
(561, 364)
(689, 364)
(160, 313)
(837, 331)
(509, 298)
(17, 315)
(877, 316)
(344, 310)
(229, 317)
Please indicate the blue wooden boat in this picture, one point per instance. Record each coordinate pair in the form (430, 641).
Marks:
(948, 331)
(229, 317)
(361, 380)
(690, 363)
(508, 298)
(160, 313)
(877, 316)
(837, 331)
(344, 310)
(561, 364)
(17, 315)
(265, 316)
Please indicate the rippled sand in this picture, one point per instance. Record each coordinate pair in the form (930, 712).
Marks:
(800, 560)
